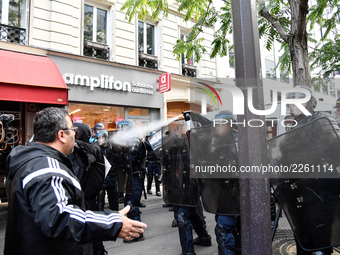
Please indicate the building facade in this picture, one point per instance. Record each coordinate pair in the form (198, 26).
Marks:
(107, 62)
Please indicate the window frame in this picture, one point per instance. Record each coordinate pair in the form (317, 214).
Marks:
(184, 60)
(109, 25)
(150, 58)
(194, 67)
(145, 23)
(4, 17)
(17, 33)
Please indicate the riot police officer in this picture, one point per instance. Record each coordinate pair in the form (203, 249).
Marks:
(109, 184)
(301, 119)
(181, 190)
(153, 168)
(97, 127)
(138, 163)
(226, 231)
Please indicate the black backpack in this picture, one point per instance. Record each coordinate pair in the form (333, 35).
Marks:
(89, 166)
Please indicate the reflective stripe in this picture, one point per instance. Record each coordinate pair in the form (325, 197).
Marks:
(90, 216)
(62, 199)
(59, 191)
(76, 213)
(54, 167)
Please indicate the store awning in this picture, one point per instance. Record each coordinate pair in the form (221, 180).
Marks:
(31, 78)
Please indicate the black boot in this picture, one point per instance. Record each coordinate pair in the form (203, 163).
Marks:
(149, 184)
(204, 241)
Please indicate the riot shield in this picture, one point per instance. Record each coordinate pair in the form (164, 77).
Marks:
(123, 168)
(156, 143)
(178, 188)
(311, 200)
(213, 148)
(310, 151)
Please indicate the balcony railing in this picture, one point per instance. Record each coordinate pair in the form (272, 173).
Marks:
(147, 60)
(189, 70)
(12, 34)
(96, 50)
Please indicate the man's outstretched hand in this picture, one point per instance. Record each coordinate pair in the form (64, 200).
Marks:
(130, 228)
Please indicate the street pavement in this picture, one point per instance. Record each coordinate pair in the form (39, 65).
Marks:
(161, 238)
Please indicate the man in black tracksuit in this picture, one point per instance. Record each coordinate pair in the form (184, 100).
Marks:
(46, 210)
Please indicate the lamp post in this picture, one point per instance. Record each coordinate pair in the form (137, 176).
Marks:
(254, 191)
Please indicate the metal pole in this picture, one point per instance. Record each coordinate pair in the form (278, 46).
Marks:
(254, 192)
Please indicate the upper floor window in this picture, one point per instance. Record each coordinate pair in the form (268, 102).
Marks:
(146, 45)
(270, 67)
(188, 68)
(95, 32)
(13, 21)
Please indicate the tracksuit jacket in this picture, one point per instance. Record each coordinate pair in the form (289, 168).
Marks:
(46, 212)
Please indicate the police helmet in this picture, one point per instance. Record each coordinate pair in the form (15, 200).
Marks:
(149, 135)
(125, 124)
(102, 137)
(310, 105)
(225, 115)
(228, 116)
(97, 127)
(337, 104)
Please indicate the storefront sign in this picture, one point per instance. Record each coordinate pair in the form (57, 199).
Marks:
(164, 82)
(107, 82)
(17, 115)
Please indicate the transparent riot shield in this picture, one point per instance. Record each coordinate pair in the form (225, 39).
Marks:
(212, 153)
(156, 143)
(178, 188)
(123, 168)
(310, 192)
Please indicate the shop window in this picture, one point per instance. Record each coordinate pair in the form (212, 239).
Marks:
(91, 114)
(140, 122)
(13, 21)
(140, 116)
(188, 68)
(138, 111)
(146, 45)
(96, 32)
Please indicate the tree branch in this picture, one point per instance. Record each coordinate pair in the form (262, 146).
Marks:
(205, 16)
(276, 24)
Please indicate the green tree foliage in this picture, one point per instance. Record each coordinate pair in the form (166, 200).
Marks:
(201, 12)
(327, 57)
(284, 21)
